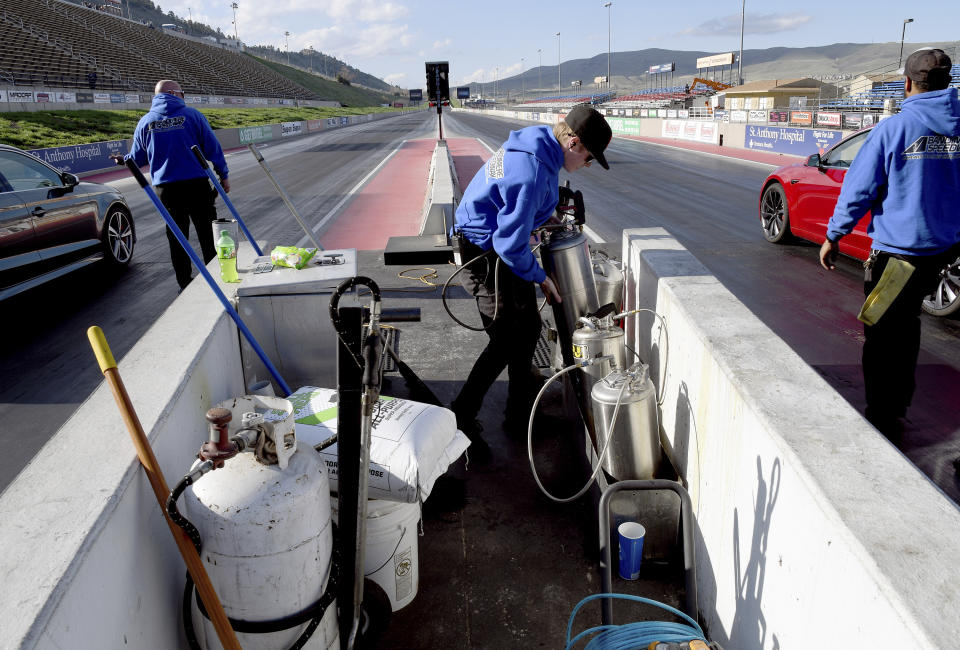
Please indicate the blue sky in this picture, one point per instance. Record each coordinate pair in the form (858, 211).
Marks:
(391, 39)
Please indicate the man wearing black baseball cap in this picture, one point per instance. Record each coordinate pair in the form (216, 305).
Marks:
(907, 175)
(514, 193)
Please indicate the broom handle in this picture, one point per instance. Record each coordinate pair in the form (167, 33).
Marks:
(154, 474)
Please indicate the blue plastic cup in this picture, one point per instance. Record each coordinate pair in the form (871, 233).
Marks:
(631, 536)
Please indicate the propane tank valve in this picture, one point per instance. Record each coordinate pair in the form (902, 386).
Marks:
(218, 448)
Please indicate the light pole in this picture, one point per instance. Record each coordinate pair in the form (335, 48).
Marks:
(523, 86)
(310, 48)
(235, 6)
(540, 70)
(287, 35)
(559, 87)
(743, 13)
(609, 11)
(902, 35)
(496, 82)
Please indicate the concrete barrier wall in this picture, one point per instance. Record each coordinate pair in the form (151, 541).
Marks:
(812, 530)
(88, 558)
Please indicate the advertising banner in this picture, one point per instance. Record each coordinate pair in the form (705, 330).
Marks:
(801, 117)
(672, 113)
(3, 95)
(254, 134)
(288, 129)
(314, 125)
(683, 114)
(715, 60)
(738, 116)
(694, 131)
(853, 120)
(869, 119)
(82, 157)
(625, 126)
(661, 112)
(416, 94)
(778, 116)
(721, 115)
(42, 98)
(216, 100)
(84, 98)
(118, 98)
(20, 96)
(828, 119)
(780, 139)
(756, 116)
(66, 98)
(101, 98)
(344, 120)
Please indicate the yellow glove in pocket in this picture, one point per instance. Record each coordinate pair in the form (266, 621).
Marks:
(894, 278)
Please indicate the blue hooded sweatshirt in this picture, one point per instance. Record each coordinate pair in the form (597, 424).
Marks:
(164, 137)
(908, 175)
(515, 192)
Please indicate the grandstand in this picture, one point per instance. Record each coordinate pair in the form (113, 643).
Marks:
(57, 44)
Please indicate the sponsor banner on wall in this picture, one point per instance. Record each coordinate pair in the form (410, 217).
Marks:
(250, 134)
(781, 139)
(756, 116)
(20, 96)
(84, 97)
(216, 100)
(672, 113)
(314, 125)
(130, 98)
(828, 119)
(101, 98)
(66, 98)
(118, 98)
(625, 126)
(191, 99)
(42, 97)
(853, 120)
(778, 116)
(738, 116)
(721, 115)
(288, 129)
(692, 130)
(82, 157)
(661, 112)
(3, 95)
(801, 117)
(683, 114)
(344, 120)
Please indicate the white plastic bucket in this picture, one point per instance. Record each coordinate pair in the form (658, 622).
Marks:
(391, 554)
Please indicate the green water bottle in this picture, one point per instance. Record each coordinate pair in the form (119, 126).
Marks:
(227, 254)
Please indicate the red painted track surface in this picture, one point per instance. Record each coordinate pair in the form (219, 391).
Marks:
(468, 156)
(390, 204)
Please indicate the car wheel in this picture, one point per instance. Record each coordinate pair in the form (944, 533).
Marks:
(118, 237)
(945, 300)
(774, 216)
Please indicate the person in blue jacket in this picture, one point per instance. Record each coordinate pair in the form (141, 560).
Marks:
(163, 138)
(515, 192)
(907, 175)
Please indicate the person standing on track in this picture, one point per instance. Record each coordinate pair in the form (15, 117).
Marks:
(163, 138)
(515, 192)
(907, 175)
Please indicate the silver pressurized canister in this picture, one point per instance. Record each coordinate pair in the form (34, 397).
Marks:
(633, 451)
(566, 260)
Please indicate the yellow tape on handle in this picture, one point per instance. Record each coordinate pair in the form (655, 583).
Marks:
(101, 349)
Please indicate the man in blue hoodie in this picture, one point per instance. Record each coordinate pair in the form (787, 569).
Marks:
(163, 138)
(907, 175)
(515, 192)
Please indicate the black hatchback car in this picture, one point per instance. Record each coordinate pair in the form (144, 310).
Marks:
(51, 223)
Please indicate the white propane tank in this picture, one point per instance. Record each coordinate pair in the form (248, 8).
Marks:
(267, 535)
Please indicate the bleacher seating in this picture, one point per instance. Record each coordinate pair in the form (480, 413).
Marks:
(876, 98)
(48, 42)
(652, 97)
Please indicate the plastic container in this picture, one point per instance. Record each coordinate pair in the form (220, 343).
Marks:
(227, 254)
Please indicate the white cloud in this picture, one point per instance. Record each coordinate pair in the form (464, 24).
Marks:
(395, 78)
(754, 24)
(445, 42)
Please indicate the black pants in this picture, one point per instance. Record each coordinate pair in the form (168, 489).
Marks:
(513, 337)
(186, 201)
(891, 346)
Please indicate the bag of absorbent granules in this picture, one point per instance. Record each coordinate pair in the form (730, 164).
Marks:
(412, 443)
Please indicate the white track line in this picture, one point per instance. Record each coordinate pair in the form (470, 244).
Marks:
(350, 194)
(704, 153)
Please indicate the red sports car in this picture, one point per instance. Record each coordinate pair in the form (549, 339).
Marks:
(798, 200)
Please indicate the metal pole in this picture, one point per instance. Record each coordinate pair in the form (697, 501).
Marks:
(559, 86)
(523, 88)
(902, 35)
(235, 6)
(540, 70)
(287, 37)
(743, 13)
(283, 195)
(609, 11)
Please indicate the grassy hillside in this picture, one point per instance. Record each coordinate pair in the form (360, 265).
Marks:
(38, 130)
(329, 90)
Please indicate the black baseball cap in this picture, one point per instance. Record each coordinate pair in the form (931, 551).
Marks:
(930, 66)
(592, 129)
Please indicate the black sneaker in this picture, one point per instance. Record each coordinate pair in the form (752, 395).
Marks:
(479, 450)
